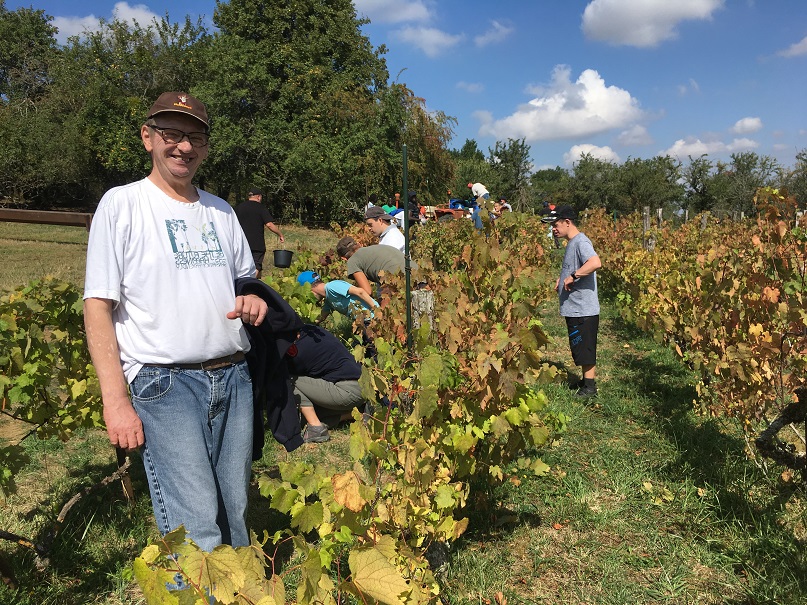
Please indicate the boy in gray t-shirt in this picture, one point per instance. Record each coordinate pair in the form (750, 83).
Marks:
(577, 292)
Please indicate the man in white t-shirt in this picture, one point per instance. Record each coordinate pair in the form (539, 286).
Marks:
(165, 330)
(380, 224)
(478, 190)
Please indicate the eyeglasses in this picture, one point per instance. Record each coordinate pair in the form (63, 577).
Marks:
(172, 136)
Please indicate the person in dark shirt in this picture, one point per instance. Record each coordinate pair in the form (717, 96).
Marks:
(326, 381)
(254, 217)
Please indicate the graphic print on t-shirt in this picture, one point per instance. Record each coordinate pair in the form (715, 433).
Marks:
(195, 246)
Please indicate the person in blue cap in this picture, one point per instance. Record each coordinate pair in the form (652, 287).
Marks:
(338, 295)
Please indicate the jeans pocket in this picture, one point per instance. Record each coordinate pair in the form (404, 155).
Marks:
(243, 371)
(151, 384)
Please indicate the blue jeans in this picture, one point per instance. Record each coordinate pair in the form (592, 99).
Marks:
(198, 450)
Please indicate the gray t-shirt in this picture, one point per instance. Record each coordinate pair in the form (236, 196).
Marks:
(370, 260)
(582, 300)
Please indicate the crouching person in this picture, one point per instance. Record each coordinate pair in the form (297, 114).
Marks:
(326, 381)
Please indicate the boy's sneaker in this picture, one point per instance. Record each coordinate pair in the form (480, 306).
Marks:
(585, 391)
(576, 384)
(316, 434)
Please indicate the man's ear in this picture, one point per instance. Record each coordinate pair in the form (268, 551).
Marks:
(145, 136)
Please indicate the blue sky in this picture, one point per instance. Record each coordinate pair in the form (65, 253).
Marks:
(616, 78)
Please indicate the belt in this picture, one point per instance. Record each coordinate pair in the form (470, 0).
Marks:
(210, 364)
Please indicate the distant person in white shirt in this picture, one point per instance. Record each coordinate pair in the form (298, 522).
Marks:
(479, 190)
(380, 224)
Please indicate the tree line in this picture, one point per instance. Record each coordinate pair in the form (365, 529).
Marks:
(302, 105)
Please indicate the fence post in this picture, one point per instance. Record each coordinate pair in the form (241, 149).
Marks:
(423, 308)
(659, 217)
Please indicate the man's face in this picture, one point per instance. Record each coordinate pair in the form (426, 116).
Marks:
(376, 226)
(318, 288)
(174, 161)
(560, 228)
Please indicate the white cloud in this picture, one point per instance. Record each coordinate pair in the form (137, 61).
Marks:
(642, 23)
(392, 11)
(497, 33)
(74, 26)
(694, 147)
(795, 50)
(128, 14)
(691, 86)
(122, 11)
(471, 87)
(747, 126)
(602, 153)
(428, 39)
(566, 109)
(635, 135)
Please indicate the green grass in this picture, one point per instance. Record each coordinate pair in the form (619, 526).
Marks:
(30, 252)
(645, 503)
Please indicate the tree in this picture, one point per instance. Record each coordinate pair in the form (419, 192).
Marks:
(426, 135)
(471, 167)
(549, 184)
(510, 163)
(654, 183)
(593, 183)
(698, 191)
(27, 46)
(795, 180)
(291, 90)
(748, 172)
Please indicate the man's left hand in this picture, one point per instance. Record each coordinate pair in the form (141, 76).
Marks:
(250, 308)
(567, 283)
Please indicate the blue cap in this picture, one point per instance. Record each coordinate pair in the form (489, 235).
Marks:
(307, 277)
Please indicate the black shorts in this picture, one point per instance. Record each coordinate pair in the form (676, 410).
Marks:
(583, 339)
(257, 256)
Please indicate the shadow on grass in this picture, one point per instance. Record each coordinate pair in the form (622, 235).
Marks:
(769, 556)
(99, 538)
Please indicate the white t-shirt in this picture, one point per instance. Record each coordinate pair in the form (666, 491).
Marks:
(478, 190)
(170, 268)
(393, 236)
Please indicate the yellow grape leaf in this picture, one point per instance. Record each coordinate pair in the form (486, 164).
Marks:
(278, 590)
(152, 583)
(307, 516)
(387, 547)
(150, 553)
(539, 467)
(374, 576)
(78, 388)
(445, 496)
(219, 571)
(346, 491)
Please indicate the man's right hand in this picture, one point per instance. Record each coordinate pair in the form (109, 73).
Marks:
(123, 425)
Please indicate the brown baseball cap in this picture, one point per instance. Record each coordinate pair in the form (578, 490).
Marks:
(345, 246)
(180, 102)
